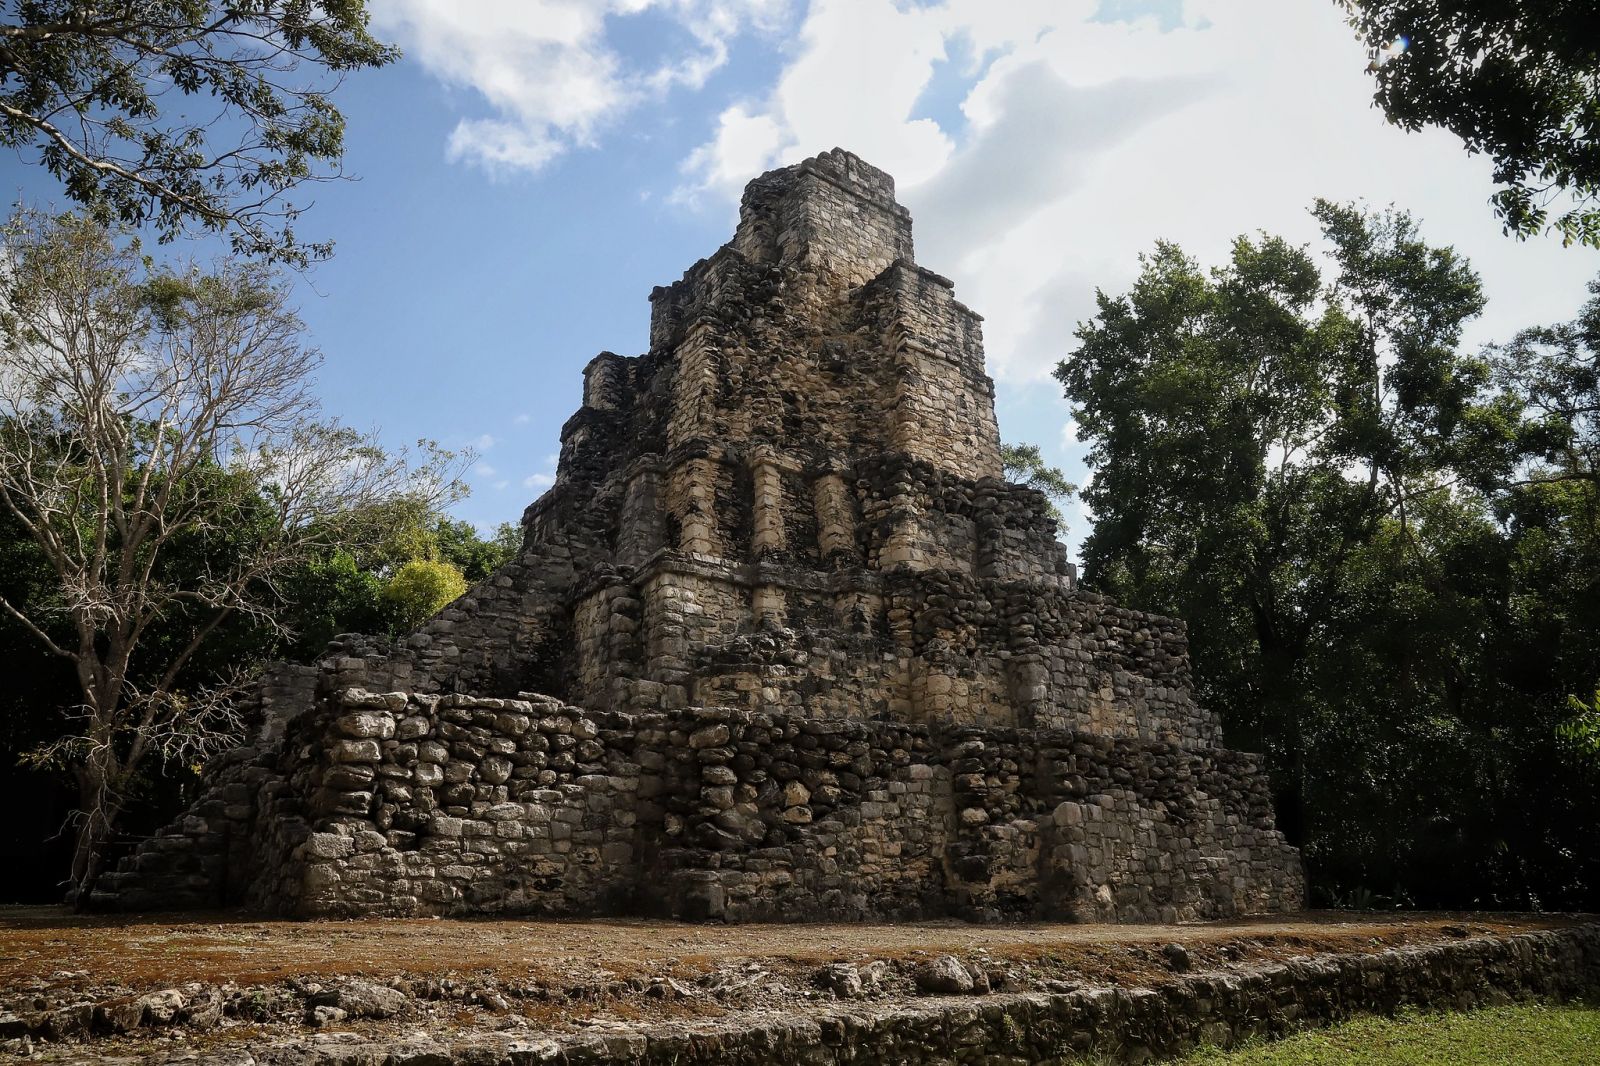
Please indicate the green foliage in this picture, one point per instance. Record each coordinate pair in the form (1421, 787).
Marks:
(1024, 465)
(163, 456)
(1518, 81)
(1554, 373)
(419, 590)
(184, 112)
(458, 544)
(383, 538)
(330, 596)
(1581, 733)
(1386, 548)
(1529, 1034)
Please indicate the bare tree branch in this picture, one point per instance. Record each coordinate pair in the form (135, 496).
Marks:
(144, 416)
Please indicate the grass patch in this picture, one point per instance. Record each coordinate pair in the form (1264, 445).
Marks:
(1525, 1034)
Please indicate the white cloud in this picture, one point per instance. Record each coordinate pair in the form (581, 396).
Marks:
(1069, 435)
(1085, 142)
(538, 481)
(501, 485)
(522, 419)
(483, 442)
(484, 470)
(549, 70)
(860, 67)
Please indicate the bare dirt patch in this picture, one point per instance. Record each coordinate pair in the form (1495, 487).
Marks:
(141, 950)
(63, 976)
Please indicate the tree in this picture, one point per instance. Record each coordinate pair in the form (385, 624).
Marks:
(1387, 549)
(184, 112)
(161, 449)
(338, 589)
(1551, 507)
(420, 589)
(386, 537)
(1518, 80)
(1554, 371)
(1248, 430)
(458, 544)
(1023, 464)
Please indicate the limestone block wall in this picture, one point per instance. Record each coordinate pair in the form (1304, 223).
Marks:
(204, 858)
(284, 691)
(456, 805)
(835, 218)
(978, 821)
(416, 803)
(1160, 831)
(943, 407)
(919, 515)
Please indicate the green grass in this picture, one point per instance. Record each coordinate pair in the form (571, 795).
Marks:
(1527, 1034)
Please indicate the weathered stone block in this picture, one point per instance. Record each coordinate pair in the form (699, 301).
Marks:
(354, 751)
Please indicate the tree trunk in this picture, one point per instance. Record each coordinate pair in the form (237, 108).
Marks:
(98, 808)
(1283, 708)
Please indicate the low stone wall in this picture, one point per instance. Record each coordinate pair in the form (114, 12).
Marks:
(416, 803)
(1125, 1025)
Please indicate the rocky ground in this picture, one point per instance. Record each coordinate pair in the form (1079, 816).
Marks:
(168, 984)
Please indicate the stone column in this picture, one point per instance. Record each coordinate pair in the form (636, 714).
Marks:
(694, 502)
(905, 544)
(769, 605)
(1028, 684)
(603, 381)
(693, 388)
(836, 519)
(668, 604)
(770, 536)
(641, 528)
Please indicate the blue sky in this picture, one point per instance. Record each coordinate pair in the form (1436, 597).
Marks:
(533, 167)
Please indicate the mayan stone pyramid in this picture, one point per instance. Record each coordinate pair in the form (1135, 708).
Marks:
(780, 643)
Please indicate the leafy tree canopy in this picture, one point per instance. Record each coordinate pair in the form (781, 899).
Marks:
(420, 589)
(1518, 80)
(1387, 548)
(184, 113)
(1024, 464)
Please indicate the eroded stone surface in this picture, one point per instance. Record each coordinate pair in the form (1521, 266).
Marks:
(881, 1012)
(801, 653)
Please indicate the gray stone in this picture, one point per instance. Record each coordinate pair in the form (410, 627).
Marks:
(843, 979)
(321, 1016)
(945, 976)
(362, 726)
(328, 846)
(159, 1008)
(710, 737)
(365, 999)
(354, 751)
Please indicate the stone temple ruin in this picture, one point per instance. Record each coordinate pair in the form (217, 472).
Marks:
(780, 644)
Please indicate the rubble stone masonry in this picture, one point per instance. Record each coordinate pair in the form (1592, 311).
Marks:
(780, 643)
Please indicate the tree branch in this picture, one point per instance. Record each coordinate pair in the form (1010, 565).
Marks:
(54, 648)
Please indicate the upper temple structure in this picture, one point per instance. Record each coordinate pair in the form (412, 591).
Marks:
(780, 643)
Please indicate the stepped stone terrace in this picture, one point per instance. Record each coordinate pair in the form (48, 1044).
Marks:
(780, 644)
